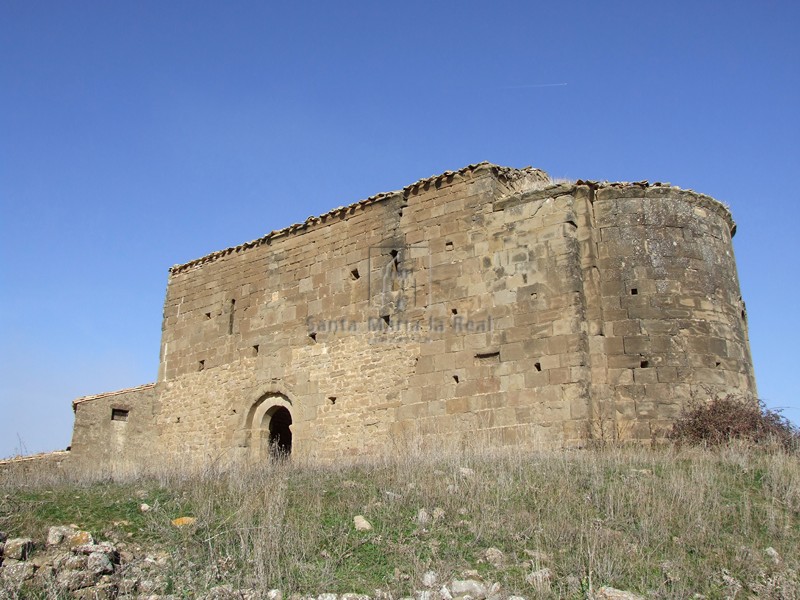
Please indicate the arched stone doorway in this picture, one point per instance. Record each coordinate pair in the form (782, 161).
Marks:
(267, 427)
(276, 432)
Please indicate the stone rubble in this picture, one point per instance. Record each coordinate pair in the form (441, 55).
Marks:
(106, 571)
(17, 548)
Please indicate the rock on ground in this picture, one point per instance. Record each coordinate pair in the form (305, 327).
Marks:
(99, 563)
(17, 572)
(540, 578)
(471, 587)
(494, 557)
(18, 548)
(773, 554)
(429, 579)
(609, 593)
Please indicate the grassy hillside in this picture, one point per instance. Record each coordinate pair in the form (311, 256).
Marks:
(664, 523)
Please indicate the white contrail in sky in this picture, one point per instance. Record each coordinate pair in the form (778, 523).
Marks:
(533, 85)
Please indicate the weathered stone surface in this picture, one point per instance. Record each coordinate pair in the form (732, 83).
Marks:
(78, 538)
(75, 563)
(361, 524)
(610, 593)
(18, 548)
(152, 586)
(57, 534)
(494, 557)
(128, 585)
(74, 580)
(429, 579)
(101, 548)
(67, 535)
(99, 563)
(222, 592)
(16, 572)
(540, 578)
(542, 314)
(773, 555)
(470, 587)
(102, 591)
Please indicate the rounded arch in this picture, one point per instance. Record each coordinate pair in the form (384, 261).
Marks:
(268, 426)
(276, 428)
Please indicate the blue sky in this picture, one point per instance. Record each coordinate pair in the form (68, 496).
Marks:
(137, 135)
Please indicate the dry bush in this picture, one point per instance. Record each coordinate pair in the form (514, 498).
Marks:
(729, 418)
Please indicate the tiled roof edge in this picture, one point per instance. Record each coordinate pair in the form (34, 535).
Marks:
(506, 174)
(138, 388)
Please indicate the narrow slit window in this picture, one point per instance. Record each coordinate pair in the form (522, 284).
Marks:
(332, 399)
(455, 378)
(354, 274)
(448, 246)
(645, 364)
(634, 291)
(538, 366)
(386, 320)
(313, 336)
(231, 316)
(201, 365)
(255, 350)
(119, 414)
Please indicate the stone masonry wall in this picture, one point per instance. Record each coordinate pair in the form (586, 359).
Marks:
(487, 303)
(672, 316)
(116, 429)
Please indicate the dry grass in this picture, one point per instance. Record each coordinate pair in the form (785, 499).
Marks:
(663, 522)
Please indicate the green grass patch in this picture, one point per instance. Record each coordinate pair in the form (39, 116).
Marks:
(663, 523)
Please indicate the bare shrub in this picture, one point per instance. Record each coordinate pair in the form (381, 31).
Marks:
(730, 418)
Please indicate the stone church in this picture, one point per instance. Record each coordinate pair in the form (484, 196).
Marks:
(488, 303)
